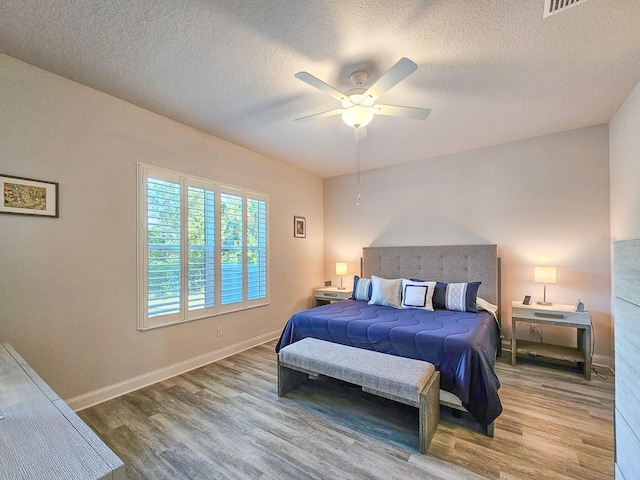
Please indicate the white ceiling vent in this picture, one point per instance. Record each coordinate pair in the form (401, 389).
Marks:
(555, 6)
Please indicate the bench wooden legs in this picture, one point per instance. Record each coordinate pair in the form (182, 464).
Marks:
(289, 379)
(429, 411)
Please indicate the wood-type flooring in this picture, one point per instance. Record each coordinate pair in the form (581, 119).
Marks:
(225, 420)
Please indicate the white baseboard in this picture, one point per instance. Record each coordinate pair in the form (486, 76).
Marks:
(112, 391)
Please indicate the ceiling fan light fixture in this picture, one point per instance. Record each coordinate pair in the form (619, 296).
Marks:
(359, 104)
(357, 116)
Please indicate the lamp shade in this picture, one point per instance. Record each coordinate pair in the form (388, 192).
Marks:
(341, 268)
(545, 274)
(357, 115)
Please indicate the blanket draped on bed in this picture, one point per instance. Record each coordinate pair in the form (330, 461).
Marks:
(461, 345)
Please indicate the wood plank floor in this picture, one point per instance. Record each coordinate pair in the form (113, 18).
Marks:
(225, 420)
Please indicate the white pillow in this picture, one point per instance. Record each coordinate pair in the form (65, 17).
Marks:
(482, 304)
(417, 294)
(385, 292)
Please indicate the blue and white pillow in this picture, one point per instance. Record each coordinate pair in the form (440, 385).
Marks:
(459, 297)
(417, 294)
(361, 288)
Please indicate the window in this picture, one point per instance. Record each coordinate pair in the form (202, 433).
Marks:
(203, 248)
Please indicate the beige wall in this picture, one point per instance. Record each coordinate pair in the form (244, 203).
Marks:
(68, 285)
(624, 134)
(544, 201)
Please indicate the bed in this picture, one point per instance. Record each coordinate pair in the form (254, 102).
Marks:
(462, 345)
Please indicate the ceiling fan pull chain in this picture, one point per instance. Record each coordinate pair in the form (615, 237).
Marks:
(357, 167)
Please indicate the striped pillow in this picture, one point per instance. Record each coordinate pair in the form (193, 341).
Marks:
(459, 297)
(361, 288)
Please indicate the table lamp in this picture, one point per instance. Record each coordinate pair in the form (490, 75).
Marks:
(341, 269)
(545, 275)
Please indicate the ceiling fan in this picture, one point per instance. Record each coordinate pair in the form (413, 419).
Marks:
(358, 104)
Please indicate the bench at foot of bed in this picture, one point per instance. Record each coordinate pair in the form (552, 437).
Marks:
(405, 380)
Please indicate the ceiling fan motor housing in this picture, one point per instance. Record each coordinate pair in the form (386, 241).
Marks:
(358, 78)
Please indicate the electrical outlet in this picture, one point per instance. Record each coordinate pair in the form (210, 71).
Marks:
(219, 331)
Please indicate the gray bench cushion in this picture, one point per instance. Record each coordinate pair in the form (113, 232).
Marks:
(397, 376)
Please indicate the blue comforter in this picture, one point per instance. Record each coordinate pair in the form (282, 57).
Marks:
(461, 345)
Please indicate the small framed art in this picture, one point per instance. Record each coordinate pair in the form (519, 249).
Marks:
(28, 196)
(299, 227)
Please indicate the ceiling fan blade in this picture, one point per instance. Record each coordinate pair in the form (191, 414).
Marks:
(329, 113)
(406, 112)
(401, 70)
(320, 85)
(359, 133)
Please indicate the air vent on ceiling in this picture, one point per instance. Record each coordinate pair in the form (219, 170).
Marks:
(555, 6)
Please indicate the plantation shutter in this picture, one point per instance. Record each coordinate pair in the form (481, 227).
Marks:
(231, 247)
(163, 252)
(256, 247)
(201, 246)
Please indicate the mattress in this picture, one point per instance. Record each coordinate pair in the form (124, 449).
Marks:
(461, 345)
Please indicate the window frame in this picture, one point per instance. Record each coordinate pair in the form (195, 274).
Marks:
(146, 322)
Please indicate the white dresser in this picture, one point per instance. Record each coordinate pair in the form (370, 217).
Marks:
(627, 350)
(40, 436)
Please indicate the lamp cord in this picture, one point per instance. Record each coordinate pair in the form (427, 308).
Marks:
(593, 350)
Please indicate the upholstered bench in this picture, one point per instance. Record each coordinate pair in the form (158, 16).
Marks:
(404, 380)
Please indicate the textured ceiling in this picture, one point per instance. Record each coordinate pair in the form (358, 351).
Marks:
(492, 71)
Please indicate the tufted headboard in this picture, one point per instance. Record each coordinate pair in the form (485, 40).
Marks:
(449, 263)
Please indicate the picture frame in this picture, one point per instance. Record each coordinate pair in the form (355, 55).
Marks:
(299, 227)
(28, 196)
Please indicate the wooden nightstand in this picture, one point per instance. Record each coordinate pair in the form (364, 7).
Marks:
(325, 295)
(558, 315)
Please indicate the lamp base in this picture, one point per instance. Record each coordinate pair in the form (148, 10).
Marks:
(342, 288)
(545, 303)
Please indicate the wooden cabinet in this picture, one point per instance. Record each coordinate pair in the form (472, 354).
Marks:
(560, 316)
(40, 436)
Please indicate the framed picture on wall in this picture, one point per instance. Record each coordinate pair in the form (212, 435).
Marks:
(299, 227)
(28, 196)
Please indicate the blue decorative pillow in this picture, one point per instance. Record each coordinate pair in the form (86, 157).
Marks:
(361, 288)
(462, 297)
(440, 295)
(459, 297)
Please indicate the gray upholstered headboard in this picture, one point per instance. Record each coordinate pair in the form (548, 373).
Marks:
(450, 263)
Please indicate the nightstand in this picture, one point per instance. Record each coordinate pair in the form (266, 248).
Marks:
(325, 295)
(560, 316)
